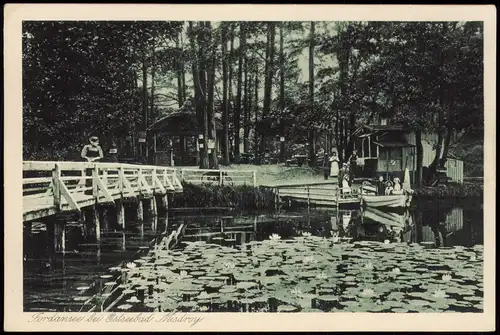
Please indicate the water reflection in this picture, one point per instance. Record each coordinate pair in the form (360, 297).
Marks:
(57, 281)
(62, 281)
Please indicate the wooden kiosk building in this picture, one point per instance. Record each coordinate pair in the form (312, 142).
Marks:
(175, 137)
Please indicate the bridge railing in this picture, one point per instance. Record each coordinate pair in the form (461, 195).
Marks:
(68, 183)
(218, 177)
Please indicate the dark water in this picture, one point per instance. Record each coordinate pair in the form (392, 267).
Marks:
(55, 281)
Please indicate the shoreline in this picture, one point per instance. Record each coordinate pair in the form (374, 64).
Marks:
(259, 197)
(450, 191)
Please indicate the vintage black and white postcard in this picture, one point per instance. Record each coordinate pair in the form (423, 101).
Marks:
(249, 167)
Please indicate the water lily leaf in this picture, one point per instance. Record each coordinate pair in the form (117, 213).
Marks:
(473, 298)
(228, 289)
(417, 302)
(188, 304)
(246, 285)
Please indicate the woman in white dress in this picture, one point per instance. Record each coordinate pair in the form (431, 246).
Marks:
(334, 165)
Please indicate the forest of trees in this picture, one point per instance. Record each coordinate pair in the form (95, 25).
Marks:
(313, 83)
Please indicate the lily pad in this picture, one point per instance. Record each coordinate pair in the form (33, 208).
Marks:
(246, 285)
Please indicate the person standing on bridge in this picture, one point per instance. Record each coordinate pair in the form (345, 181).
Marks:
(91, 153)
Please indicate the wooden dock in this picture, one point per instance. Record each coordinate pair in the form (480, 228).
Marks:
(322, 194)
(50, 188)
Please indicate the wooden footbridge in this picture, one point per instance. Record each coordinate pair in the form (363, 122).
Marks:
(92, 192)
(51, 188)
(54, 187)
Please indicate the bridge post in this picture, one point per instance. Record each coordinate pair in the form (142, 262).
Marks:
(91, 220)
(277, 198)
(124, 247)
(308, 199)
(140, 210)
(83, 220)
(153, 208)
(164, 202)
(104, 217)
(121, 175)
(120, 213)
(56, 190)
(59, 235)
(97, 222)
(95, 176)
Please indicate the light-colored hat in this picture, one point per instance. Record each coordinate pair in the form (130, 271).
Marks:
(94, 139)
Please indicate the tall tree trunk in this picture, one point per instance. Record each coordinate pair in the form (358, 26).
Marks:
(282, 96)
(152, 100)
(268, 80)
(202, 46)
(230, 85)
(352, 129)
(337, 134)
(145, 98)
(225, 102)
(196, 83)
(341, 143)
(442, 101)
(237, 111)
(180, 86)
(420, 157)
(249, 108)
(439, 145)
(447, 139)
(246, 113)
(198, 91)
(343, 59)
(152, 114)
(446, 148)
(312, 140)
(212, 130)
(183, 71)
(256, 110)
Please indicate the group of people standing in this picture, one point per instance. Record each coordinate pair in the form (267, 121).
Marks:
(344, 173)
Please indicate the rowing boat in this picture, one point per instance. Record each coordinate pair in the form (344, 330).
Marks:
(403, 199)
(392, 200)
(389, 219)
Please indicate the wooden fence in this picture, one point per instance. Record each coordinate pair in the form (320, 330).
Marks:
(219, 177)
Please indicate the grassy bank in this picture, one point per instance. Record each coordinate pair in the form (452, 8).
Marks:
(239, 197)
(450, 191)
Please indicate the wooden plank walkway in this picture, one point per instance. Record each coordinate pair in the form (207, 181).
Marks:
(318, 193)
(54, 187)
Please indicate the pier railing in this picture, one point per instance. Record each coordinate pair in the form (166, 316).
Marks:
(50, 187)
(218, 177)
(319, 193)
